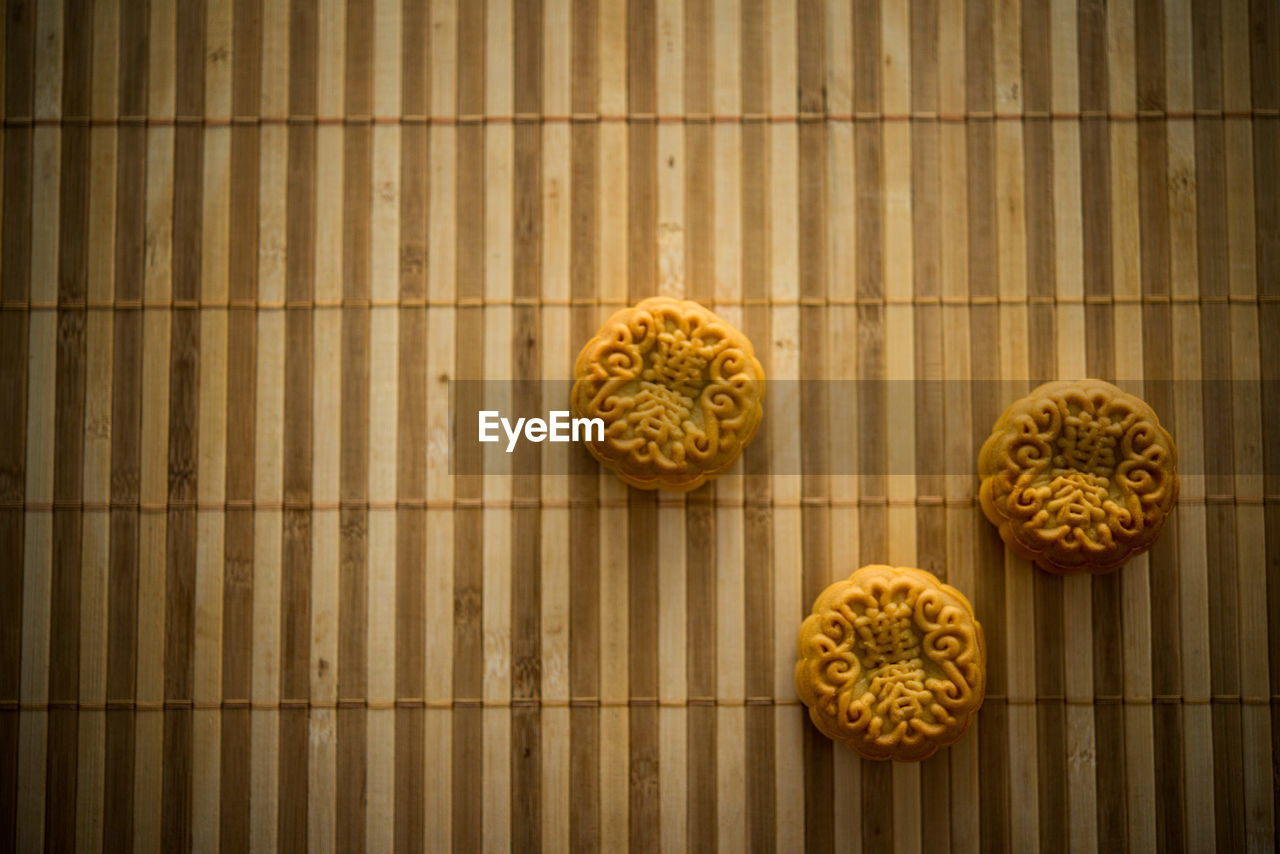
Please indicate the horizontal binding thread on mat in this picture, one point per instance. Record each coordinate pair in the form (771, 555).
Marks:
(585, 702)
(535, 302)
(543, 503)
(631, 118)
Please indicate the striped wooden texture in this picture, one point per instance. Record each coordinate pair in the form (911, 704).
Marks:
(247, 245)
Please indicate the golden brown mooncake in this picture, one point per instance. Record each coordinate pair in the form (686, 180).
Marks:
(1078, 476)
(679, 390)
(892, 663)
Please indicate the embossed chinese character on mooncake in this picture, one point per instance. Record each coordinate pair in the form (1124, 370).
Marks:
(892, 663)
(679, 389)
(1078, 476)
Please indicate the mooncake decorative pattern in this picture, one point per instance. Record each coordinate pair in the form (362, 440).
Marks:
(892, 663)
(679, 389)
(1078, 476)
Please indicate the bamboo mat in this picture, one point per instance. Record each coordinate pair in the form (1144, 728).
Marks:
(248, 246)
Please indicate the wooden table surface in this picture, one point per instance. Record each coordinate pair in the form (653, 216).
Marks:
(247, 246)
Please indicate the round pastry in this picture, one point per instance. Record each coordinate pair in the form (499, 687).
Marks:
(679, 390)
(1078, 476)
(892, 663)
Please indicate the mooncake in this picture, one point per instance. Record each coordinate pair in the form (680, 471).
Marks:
(679, 390)
(892, 663)
(1078, 476)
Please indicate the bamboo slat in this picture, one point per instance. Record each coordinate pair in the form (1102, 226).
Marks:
(263, 742)
(14, 282)
(620, 210)
(324, 661)
(68, 438)
(842, 247)
(782, 406)
(211, 434)
(148, 764)
(1246, 406)
(554, 554)
(255, 256)
(900, 145)
(1012, 149)
(384, 824)
(93, 616)
(667, 614)
(441, 336)
(38, 535)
